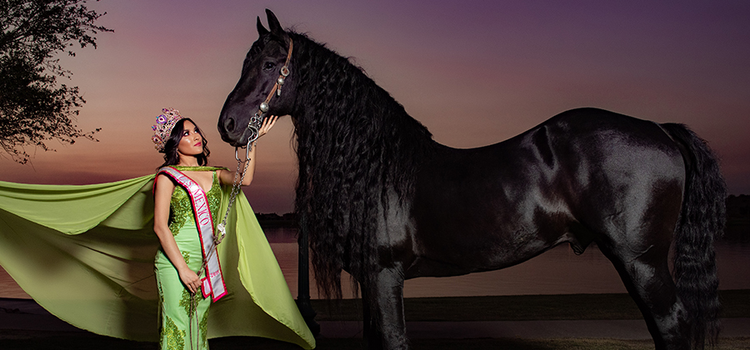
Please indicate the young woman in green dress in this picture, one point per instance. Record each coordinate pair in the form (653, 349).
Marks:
(180, 264)
(85, 252)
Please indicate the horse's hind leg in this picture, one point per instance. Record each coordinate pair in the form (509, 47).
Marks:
(384, 323)
(645, 272)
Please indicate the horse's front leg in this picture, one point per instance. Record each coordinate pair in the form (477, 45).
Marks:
(385, 327)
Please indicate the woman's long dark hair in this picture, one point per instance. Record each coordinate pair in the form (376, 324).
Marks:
(170, 149)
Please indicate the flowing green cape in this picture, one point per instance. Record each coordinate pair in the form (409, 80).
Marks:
(86, 254)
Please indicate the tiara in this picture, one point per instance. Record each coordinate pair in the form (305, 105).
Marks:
(163, 128)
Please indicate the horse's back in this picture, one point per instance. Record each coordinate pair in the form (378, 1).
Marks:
(573, 178)
(606, 151)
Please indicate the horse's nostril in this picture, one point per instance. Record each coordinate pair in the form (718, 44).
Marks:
(229, 125)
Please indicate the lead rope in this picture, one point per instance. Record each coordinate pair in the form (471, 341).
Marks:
(192, 326)
(193, 323)
(221, 228)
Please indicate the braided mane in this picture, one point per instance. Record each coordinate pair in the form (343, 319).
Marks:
(357, 147)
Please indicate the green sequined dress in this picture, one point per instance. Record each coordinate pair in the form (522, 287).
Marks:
(184, 318)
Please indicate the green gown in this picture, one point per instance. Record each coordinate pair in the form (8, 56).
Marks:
(86, 254)
(184, 317)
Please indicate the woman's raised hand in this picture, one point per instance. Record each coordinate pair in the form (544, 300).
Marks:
(268, 123)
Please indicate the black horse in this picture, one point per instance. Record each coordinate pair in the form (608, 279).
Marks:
(380, 199)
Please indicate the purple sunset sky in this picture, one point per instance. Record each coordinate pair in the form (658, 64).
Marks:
(474, 72)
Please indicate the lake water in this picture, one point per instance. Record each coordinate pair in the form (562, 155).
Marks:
(558, 271)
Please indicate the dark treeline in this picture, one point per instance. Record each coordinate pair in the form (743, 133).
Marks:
(288, 220)
(738, 219)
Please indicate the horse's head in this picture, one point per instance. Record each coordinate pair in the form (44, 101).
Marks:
(264, 77)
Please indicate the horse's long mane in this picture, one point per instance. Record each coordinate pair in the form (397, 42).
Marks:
(357, 148)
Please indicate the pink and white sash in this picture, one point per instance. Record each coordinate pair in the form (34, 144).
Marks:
(213, 282)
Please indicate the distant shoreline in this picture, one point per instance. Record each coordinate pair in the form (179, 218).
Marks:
(521, 307)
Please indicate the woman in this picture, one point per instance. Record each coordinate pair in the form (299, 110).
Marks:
(86, 252)
(186, 248)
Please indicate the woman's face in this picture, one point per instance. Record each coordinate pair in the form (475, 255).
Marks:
(191, 143)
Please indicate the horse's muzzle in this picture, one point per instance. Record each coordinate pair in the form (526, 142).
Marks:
(230, 130)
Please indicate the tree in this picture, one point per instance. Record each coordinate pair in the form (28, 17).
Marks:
(34, 109)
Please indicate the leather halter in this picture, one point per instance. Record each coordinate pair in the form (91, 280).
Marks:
(256, 121)
(284, 72)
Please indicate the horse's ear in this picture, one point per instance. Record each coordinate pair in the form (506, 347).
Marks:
(261, 29)
(273, 23)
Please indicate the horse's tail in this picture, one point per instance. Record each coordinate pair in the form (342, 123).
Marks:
(702, 218)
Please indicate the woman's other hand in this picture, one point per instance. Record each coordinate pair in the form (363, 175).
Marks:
(191, 280)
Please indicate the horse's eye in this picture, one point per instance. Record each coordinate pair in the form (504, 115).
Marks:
(268, 65)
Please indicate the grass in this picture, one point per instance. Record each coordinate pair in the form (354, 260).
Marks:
(498, 308)
(91, 342)
(533, 344)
